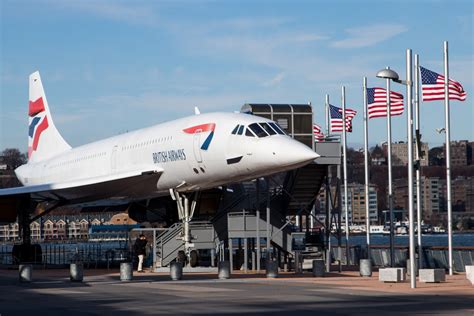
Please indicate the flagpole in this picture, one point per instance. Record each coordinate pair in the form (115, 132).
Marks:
(448, 159)
(389, 167)
(327, 115)
(366, 163)
(411, 215)
(344, 153)
(418, 159)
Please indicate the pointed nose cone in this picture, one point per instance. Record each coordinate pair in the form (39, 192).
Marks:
(296, 154)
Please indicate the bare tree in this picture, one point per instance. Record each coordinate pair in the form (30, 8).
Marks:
(13, 158)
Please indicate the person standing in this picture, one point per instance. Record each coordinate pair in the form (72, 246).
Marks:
(140, 251)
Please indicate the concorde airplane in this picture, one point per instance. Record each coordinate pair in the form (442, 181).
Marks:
(175, 158)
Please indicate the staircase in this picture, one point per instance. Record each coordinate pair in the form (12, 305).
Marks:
(168, 244)
(303, 184)
(243, 224)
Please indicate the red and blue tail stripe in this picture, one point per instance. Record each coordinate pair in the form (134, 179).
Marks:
(38, 124)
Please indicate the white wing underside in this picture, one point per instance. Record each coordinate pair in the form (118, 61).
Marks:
(119, 186)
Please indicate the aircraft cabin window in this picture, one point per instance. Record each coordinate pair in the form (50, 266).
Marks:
(268, 129)
(248, 132)
(235, 130)
(277, 128)
(260, 132)
(241, 130)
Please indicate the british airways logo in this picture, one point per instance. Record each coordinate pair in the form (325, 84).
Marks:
(203, 128)
(38, 123)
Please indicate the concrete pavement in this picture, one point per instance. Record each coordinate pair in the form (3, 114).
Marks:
(102, 293)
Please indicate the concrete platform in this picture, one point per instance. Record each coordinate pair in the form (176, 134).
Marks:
(101, 293)
(189, 270)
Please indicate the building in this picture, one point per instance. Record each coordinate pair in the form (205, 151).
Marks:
(377, 156)
(61, 227)
(49, 230)
(35, 229)
(74, 230)
(400, 154)
(459, 153)
(9, 232)
(3, 164)
(356, 204)
(400, 194)
(470, 153)
(430, 195)
(462, 195)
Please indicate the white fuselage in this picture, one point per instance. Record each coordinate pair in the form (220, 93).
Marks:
(186, 166)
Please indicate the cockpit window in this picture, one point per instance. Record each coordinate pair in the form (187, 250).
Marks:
(248, 132)
(267, 128)
(241, 130)
(235, 130)
(259, 131)
(277, 128)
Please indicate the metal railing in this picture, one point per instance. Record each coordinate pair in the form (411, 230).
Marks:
(92, 255)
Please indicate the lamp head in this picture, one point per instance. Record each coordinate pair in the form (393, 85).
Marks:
(388, 74)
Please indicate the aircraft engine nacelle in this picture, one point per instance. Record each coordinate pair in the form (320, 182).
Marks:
(9, 207)
(162, 210)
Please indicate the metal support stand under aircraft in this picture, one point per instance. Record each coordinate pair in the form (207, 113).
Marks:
(26, 251)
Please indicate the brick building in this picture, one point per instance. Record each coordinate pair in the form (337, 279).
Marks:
(400, 154)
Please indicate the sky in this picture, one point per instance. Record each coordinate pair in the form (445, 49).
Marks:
(114, 66)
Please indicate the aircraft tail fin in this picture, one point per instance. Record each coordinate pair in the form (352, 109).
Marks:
(44, 140)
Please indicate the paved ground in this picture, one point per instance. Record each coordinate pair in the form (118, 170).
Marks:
(102, 293)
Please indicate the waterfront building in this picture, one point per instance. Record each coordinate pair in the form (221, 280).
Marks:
(430, 195)
(462, 195)
(400, 154)
(459, 153)
(63, 227)
(356, 204)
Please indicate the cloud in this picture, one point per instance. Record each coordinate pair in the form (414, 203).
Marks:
(369, 35)
(250, 23)
(134, 14)
(460, 69)
(275, 80)
(67, 118)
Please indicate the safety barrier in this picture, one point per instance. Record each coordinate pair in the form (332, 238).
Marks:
(433, 257)
(92, 255)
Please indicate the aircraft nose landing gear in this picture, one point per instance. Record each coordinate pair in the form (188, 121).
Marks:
(186, 206)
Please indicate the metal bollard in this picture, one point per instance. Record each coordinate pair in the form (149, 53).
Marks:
(272, 269)
(126, 271)
(25, 272)
(213, 257)
(223, 270)
(176, 271)
(76, 271)
(319, 268)
(365, 267)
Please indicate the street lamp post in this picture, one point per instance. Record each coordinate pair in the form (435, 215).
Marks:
(389, 74)
(392, 75)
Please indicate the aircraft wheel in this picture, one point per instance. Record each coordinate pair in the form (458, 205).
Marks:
(193, 258)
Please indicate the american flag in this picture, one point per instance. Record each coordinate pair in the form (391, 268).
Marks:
(336, 118)
(377, 102)
(432, 87)
(318, 133)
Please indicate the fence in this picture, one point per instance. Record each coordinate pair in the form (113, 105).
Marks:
(93, 255)
(433, 257)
